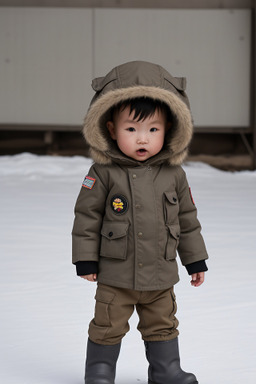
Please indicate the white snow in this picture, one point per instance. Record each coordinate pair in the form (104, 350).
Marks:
(46, 308)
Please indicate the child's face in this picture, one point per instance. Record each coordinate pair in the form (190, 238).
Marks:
(139, 140)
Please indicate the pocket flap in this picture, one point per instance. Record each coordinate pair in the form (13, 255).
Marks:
(174, 230)
(104, 296)
(172, 197)
(114, 230)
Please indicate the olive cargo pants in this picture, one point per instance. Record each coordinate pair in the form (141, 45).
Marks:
(114, 306)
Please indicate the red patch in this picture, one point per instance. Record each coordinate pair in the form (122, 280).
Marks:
(89, 182)
(191, 196)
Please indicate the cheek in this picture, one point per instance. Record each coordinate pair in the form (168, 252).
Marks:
(124, 143)
(159, 142)
(125, 147)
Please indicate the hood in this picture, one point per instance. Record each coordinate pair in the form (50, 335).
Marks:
(130, 80)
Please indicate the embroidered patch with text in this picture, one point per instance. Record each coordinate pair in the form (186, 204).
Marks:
(88, 182)
(119, 204)
(191, 196)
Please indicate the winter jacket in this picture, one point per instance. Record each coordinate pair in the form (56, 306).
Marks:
(131, 217)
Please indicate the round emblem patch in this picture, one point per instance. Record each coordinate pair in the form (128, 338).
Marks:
(119, 204)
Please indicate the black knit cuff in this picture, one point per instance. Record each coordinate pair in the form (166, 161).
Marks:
(86, 267)
(198, 266)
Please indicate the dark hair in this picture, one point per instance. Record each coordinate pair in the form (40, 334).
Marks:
(143, 107)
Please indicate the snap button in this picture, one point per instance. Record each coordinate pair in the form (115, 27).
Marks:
(134, 176)
(140, 234)
(111, 234)
(140, 265)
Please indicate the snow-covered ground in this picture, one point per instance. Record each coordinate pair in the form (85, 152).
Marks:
(45, 308)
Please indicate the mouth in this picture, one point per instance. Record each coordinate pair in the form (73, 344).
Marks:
(141, 152)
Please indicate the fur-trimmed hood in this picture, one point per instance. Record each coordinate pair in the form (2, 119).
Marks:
(130, 80)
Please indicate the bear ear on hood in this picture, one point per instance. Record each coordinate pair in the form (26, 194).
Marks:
(100, 82)
(179, 83)
(176, 85)
(97, 83)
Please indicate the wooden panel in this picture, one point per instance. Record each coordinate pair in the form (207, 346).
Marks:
(46, 65)
(210, 47)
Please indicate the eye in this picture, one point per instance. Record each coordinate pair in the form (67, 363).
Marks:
(153, 129)
(130, 129)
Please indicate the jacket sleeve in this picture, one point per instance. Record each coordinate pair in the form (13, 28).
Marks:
(86, 268)
(191, 247)
(196, 267)
(89, 210)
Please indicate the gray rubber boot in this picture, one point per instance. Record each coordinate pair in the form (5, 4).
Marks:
(101, 361)
(164, 364)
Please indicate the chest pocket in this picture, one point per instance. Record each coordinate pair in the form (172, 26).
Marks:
(114, 237)
(171, 207)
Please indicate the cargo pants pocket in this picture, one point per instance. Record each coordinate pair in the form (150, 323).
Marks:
(103, 300)
(173, 297)
(101, 322)
(173, 318)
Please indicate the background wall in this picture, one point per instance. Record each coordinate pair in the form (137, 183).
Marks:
(210, 47)
(49, 56)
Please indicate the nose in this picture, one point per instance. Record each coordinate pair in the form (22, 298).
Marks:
(142, 139)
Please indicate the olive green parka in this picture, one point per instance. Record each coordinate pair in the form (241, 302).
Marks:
(130, 216)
